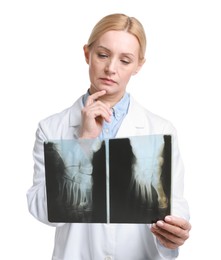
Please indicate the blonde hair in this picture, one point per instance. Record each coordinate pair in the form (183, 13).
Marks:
(120, 22)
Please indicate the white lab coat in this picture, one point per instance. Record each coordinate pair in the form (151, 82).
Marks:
(104, 241)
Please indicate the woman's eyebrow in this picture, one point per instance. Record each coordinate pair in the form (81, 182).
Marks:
(125, 54)
(102, 47)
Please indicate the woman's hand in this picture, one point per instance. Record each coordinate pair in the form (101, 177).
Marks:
(93, 115)
(172, 232)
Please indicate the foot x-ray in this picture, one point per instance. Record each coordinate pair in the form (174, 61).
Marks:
(121, 180)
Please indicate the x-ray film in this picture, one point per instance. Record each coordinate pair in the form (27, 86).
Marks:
(121, 180)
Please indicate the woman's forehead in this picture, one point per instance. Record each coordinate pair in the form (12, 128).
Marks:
(118, 41)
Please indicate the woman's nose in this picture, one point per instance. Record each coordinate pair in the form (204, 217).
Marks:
(111, 67)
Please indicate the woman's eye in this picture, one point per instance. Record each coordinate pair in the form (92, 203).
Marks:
(102, 55)
(126, 62)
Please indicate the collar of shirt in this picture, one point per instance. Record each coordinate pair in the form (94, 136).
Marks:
(121, 108)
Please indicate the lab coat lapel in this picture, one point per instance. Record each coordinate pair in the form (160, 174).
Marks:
(134, 123)
(75, 117)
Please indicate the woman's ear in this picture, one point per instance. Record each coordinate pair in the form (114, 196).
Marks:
(86, 53)
(139, 67)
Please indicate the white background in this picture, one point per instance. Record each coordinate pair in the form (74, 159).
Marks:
(42, 71)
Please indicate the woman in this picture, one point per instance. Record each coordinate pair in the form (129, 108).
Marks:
(115, 51)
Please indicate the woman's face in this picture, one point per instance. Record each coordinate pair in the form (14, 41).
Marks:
(112, 60)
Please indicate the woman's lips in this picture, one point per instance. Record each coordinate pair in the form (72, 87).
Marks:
(108, 81)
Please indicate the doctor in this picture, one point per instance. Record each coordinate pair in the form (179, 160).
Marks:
(115, 51)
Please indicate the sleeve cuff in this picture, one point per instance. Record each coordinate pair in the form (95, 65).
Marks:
(166, 253)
